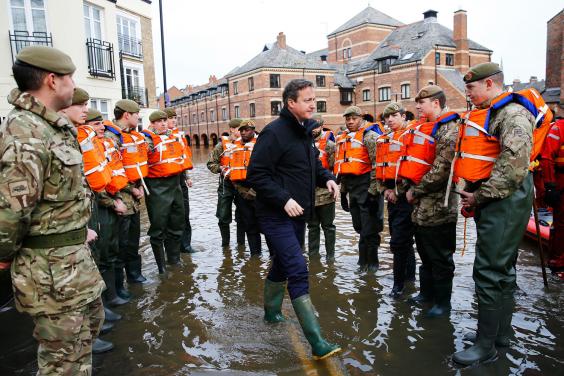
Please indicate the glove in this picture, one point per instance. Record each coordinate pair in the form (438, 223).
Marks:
(373, 203)
(345, 202)
(551, 195)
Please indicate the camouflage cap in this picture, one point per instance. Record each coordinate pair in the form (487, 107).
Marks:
(319, 119)
(353, 110)
(392, 108)
(247, 123)
(234, 123)
(46, 58)
(79, 96)
(428, 92)
(127, 105)
(157, 115)
(170, 112)
(481, 71)
(94, 115)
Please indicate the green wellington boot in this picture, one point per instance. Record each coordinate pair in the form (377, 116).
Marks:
(305, 311)
(225, 235)
(273, 297)
(483, 351)
(443, 291)
(425, 289)
(505, 330)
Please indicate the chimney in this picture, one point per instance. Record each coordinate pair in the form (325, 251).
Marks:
(430, 16)
(324, 58)
(281, 40)
(533, 79)
(460, 37)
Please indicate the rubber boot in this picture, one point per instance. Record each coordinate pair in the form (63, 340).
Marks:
(362, 258)
(443, 291)
(109, 295)
(313, 239)
(107, 327)
(273, 298)
(505, 330)
(308, 320)
(240, 236)
(224, 231)
(100, 346)
(121, 291)
(158, 252)
(400, 262)
(425, 288)
(483, 350)
(133, 272)
(372, 257)
(172, 249)
(410, 266)
(330, 237)
(254, 244)
(110, 315)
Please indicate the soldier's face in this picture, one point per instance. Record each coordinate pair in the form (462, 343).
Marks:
(159, 126)
(247, 134)
(303, 107)
(395, 121)
(63, 87)
(76, 113)
(132, 118)
(426, 108)
(353, 122)
(478, 92)
(234, 133)
(171, 122)
(98, 128)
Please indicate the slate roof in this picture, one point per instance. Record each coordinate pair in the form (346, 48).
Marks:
(551, 95)
(316, 55)
(453, 76)
(539, 85)
(368, 16)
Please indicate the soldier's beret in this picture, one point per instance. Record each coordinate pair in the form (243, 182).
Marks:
(127, 105)
(170, 112)
(319, 119)
(94, 115)
(158, 115)
(428, 92)
(352, 110)
(481, 71)
(234, 123)
(79, 96)
(247, 123)
(392, 108)
(47, 58)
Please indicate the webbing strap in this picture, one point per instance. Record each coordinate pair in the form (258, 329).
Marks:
(478, 157)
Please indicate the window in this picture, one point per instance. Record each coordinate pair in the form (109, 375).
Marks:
(320, 81)
(235, 88)
(405, 91)
(101, 105)
(251, 83)
(212, 115)
(274, 80)
(223, 113)
(202, 116)
(384, 94)
(275, 107)
(437, 58)
(28, 15)
(129, 33)
(321, 106)
(194, 119)
(252, 110)
(346, 96)
(449, 59)
(366, 95)
(223, 91)
(237, 112)
(384, 64)
(93, 21)
(347, 53)
(133, 82)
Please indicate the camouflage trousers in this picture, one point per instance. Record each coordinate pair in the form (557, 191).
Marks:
(65, 340)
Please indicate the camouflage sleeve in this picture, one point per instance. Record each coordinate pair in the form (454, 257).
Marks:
(214, 158)
(514, 130)
(370, 143)
(22, 164)
(330, 150)
(105, 199)
(436, 179)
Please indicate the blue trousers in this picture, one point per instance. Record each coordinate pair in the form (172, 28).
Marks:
(284, 237)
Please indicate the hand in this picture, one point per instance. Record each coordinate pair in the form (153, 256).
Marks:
(5, 265)
(189, 183)
(333, 188)
(345, 202)
(91, 235)
(138, 193)
(468, 199)
(119, 207)
(390, 196)
(293, 209)
(551, 195)
(409, 196)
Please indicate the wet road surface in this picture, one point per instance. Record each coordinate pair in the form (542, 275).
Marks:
(205, 316)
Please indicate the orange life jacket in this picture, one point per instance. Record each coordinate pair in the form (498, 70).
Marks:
(388, 151)
(321, 145)
(133, 152)
(557, 133)
(351, 156)
(418, 151)
(166, 157)
(96, 169)
(186, 151)
(119, 178)
(239, 160)
(227, 146)
(477, 149)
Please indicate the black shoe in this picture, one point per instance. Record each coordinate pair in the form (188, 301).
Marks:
(117, 301)
(397, 292)
(136, 279)
(188, 249)
(123, 293)
(110, 315)
(106, 327)
(100, 346)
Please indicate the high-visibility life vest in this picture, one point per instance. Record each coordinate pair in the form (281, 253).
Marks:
(227, 146)
(321, 144)
(477, 149)
(96, 169)
(554, 147)
(388, 151)
(351, 156)
(133, 152)
(419, 147)
(119, 178)
(239, 160)
(166, 157)
(186, 151)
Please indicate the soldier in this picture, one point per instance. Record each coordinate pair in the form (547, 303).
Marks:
(502, 202)
(217, 164)
(354, 157)
(165, 206)
(393, 190)
(44, 210)
(435, 223)
(324, 210)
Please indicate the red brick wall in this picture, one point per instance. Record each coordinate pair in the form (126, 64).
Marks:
(555, 35)
(362, 42)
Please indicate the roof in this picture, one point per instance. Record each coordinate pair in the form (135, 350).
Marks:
(453, 76)
(412, 42)
(539, 85)
(551, 95)
(366, 17)
(316, 55)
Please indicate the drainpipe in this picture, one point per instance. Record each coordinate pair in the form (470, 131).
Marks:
(374, 90)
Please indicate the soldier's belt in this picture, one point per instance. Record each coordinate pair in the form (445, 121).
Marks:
(65, 239)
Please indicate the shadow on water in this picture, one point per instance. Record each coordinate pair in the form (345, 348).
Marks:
(205, 317)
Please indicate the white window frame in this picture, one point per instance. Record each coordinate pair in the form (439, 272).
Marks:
(212, 116)
(381, 90)
(129, 17)
(223, 113)
(90, 17)
(28, 16)
(97, 104)
(237, 111)
(252, 108)
(408, 86)
(366, 95)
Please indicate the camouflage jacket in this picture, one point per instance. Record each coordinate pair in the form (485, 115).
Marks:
(214, 159)
(429, 209)
(322, 195)
(513, 126)
(43, 192)
(369, 141)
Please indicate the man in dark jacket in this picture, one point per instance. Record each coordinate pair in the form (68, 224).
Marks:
(284, 171)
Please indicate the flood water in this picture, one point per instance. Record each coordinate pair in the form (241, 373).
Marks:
(205, 317)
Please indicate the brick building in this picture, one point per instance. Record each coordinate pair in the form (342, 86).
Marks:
(369, 61)
(554, 92)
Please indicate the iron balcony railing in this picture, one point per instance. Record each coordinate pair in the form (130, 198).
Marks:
(20, 39)
(130, 46)
(136, 93)
(100, 58)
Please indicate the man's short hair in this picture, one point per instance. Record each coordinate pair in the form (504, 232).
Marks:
(498, 79)
(292, 89)
(369, 118)
(27, 77)
(118, 113)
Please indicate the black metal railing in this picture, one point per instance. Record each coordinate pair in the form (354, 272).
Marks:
(136, 93)
(100, 58)
(21, 39)
(130, 46)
